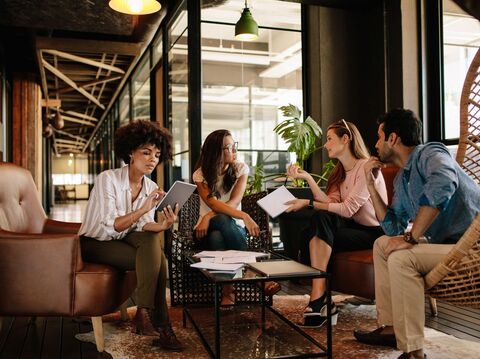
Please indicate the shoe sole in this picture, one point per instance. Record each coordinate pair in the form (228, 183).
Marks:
(334, 322)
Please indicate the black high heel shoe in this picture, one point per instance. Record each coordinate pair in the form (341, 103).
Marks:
(315, 315)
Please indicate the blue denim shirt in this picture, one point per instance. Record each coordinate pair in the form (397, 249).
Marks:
(433, 178)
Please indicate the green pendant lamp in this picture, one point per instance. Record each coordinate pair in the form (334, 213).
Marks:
(246, 28)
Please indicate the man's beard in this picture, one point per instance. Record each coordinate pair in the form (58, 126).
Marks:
(386, 157)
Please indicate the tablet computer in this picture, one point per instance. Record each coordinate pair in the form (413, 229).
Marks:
(178, 193)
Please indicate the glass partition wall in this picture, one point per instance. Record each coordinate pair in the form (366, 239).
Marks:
(461, 40)
(244, 83)
(211, 80)
(178, 95)
(237, 85)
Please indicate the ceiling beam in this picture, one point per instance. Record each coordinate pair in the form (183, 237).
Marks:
(90, 83)
(76, 120)
(89, 46)
(70, 82)
(81, 115)
(113, 98)
(67, 146)
(68, 142)
(84, 60)
(63, 133)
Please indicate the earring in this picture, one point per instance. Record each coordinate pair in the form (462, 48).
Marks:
(131, 159)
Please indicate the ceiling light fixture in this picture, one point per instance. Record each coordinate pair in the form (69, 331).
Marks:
(135, 7)
(246, 28)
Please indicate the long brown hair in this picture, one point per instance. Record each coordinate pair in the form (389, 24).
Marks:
(211, 162)
(357, 148)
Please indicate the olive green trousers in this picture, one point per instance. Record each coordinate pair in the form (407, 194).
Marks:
(139, 251)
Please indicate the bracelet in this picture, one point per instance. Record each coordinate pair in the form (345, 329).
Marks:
(408, 237)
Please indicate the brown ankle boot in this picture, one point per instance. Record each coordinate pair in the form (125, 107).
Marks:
(167, 339)
(142, 323)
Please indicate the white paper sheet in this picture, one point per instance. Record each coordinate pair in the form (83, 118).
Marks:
(274, 202)
(248, 259)
(231, 267)
(229, 254)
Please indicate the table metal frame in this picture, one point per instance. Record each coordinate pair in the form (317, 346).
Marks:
(215, 353)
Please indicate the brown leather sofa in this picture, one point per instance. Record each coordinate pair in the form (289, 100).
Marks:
(352, 272)
(41, 267)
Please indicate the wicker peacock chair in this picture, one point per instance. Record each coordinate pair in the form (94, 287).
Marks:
(187, 285)
(456, 279)
(468, 154)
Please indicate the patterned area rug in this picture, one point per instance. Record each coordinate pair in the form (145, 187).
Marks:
(122, 344)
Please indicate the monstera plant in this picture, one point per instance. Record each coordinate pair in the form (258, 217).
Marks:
(300, 136)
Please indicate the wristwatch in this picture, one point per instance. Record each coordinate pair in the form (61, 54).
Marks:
(310, 204)
(408, 237)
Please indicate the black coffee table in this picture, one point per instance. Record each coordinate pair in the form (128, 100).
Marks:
(254, 331)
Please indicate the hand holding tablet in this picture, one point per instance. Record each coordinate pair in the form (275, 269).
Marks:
(179, 193)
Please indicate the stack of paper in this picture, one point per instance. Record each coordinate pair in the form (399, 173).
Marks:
(229, 267)
(229, 261)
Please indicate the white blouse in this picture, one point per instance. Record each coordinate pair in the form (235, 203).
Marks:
(111, 197)
(241, 169)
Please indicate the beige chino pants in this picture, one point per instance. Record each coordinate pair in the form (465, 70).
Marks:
(400, 289)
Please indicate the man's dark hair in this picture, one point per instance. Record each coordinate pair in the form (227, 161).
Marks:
(132, 136)
(404, 123)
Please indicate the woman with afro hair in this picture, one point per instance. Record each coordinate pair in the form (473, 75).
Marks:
(119, 228)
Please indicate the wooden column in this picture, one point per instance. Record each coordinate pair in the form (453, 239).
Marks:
(27, 125)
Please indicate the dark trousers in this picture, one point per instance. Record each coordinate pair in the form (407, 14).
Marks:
(139, 251)
(340, 233)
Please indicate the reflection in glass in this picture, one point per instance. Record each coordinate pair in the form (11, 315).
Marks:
(181, 167)
(179, 27)
(124, 106)
(141, 90)
(461, 36)
(157, 49)
(178, 108)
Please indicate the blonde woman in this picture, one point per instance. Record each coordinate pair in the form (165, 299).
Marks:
(344, 218)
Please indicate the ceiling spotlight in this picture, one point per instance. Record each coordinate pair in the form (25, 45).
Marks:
(135, 7)
(246, 28)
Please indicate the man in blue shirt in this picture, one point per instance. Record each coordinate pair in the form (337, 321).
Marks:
(442, 201)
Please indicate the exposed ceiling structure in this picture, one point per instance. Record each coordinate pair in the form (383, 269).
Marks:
(79, 79)
(84, 52)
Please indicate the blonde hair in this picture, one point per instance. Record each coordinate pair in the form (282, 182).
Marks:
(357, 148)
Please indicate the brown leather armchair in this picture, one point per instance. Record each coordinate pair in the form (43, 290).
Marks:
(41, 267)
(352, 272)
